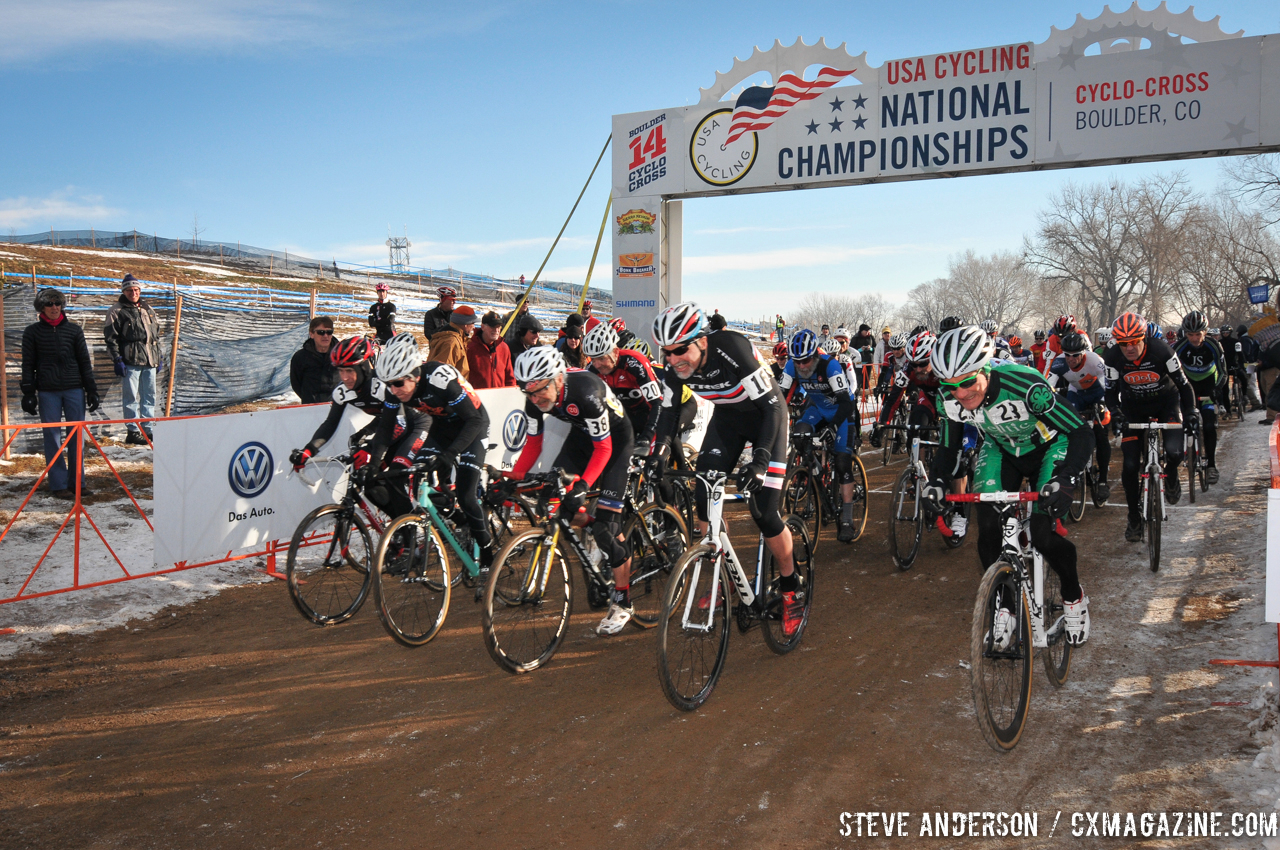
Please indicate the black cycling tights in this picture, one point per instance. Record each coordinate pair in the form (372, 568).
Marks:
(1209, 422)
(1102, 444)
(1059, 552)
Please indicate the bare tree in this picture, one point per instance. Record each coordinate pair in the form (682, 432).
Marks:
(196, 230)
(816, 309)
(927, 304)
(1164, 216)
(1256, 183)
(998, 287)
(1229, 249)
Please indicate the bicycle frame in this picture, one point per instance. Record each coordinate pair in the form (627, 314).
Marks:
(422, 502)
(371, 510)
(718, 538)
(1154, 469)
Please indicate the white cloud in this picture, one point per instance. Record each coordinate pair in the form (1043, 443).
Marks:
(63, 210)
(797, 257)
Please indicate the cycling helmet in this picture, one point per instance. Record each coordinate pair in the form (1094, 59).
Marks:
(780, 350)
(600, 340)
(382, 287)
(898, 340)
(961, 351)
(841, 332)
(1103, 334)
(399, 359)
(1225, 330)
(618, 324)
(1194, 321)
(803, 345)
(538, 364)
(1129, 328)
(641, 346)
(988, 325)
(920, 346)
(1064, 325)
(351, 352)
(1015, 341)
(950, 323)
(1153, 330)
(1002, 348)
(830, 346)
(1039, 335)
(1075, 343)
(678, 325)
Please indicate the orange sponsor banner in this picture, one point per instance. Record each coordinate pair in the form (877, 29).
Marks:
(636, 265)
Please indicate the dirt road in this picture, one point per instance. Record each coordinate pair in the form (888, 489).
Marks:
(233, 723)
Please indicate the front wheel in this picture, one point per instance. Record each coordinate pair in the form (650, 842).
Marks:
(694, 639)
(775, 637)
(411, 583)
(527, 602)
(861, 498)
(906, 519)
(1155, 518)
(1193, 466)
(657, 538)
(328, 565)
(1001, 657)
(800, 496)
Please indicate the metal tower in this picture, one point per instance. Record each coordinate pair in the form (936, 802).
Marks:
(399, 248)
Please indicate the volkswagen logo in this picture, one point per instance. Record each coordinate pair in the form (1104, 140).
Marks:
(514, 431)
(251, 470)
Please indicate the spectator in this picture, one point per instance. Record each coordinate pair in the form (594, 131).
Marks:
(311, 374)
(525, 336)
(716, 322)
(519, 319)
(437, 318)
(57, 381)
(489, 357)
(588, 320)
(382, 315)
(882, 346)
(450, 345)
(825, 335)
(571, 347)
(573, 320)
(132, 334)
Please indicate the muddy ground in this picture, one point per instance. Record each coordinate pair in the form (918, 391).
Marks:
(233, 723)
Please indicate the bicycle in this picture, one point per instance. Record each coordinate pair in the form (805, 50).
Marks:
(1239, 400)
(694, 640)
(1087, 486)
(907, 514)
(894, 445)
(328, 567)
(1151, 481)
(412, 576)
(811, 488)
(528, 599)
(1197, 463)
(1018, 610)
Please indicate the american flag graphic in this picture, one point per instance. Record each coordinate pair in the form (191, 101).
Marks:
(760, 106)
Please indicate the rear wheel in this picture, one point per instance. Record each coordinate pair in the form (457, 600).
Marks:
(1193, 466)
(800, 496)
(1079, 499)
(906, 519)
(694, 640)
(657, 538)
(774, 636)
(1057, 655)
(527, 602)
(1000, 671)
(861, 497)
(328, 565)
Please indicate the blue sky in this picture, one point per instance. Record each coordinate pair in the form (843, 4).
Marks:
(313, 126)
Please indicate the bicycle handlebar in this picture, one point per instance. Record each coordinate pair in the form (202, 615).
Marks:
(1008, 496)
(1156, 426)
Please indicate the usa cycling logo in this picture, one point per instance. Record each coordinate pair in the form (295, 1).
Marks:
(251, 469)
(514, 431)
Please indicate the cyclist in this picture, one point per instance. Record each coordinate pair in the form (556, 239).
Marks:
(455, 441)
(1028, 435)
(780, 355)
(1053, 345)
(1103, 337)
(1017, 353)
(895, 357)
(362, 390)
(915, 380)
(597, 450)
(1037, 351)
(749, 409)
(625, 337)
(631, 378)
(829, 400)
(1233, 348)
(1080, 375)
(1145, 381)
(641, 347)
(1205, 366)
(382, 314)
(950, 323)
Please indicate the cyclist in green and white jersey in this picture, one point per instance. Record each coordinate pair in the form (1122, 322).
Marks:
(1028, 434)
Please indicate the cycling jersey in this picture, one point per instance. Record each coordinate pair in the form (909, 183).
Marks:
(1022, 357)
(633, 382)
(1155, 380)
(1037, 356)
(382, 318)
(457, 420)
(369, 397)
(1087, 384)
(1205, 365)
(829, 398)
(922, 381)
(599, 443)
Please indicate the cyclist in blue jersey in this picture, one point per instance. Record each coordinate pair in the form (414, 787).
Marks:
(830, 399)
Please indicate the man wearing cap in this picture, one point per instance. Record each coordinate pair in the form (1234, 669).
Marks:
(450, 345)
(825, 335)
(489, 357)
(382, 315)
(132, 334)
(882, 346)
(437, 318)
(520, 321)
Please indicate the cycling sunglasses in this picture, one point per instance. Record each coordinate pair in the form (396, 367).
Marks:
(955, 386)
(805, 361)
(397, 383)
(529, 389)
(678, 351)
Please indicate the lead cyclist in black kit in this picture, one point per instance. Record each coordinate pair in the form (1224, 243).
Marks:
(722, 368)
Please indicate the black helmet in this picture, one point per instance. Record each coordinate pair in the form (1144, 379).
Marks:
(1074, 343)
(1194, 322)
(48, 297)
(1225, 330)
(1039, 334)
(950, 323)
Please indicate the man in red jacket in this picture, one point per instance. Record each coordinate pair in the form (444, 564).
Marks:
(489, 357)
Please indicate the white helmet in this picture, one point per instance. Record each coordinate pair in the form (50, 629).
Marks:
(988, 325)
(399, 358)
(961, 351)
(539, 364)
(680, 324)
(841, 332)
(1103, 334)
(599, 341)
(830, 346)
(898, 340)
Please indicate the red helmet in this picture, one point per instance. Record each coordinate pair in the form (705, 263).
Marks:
(351, 352)
(383, 287)
(1064, 325)
(779, 350)
(618, 324)
(1015, 341)
(1129, 328)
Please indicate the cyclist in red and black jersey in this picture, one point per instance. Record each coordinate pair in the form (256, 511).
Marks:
(916, 377)
(455, 442)
(749, 408)
(598, 449)
(1145, 382)
(631, 378)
